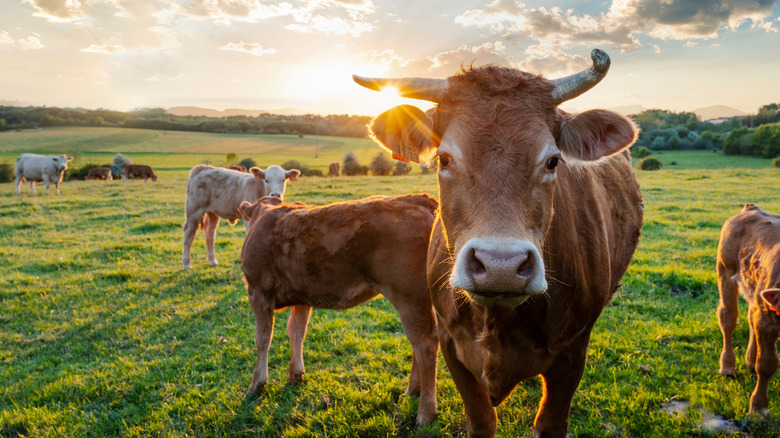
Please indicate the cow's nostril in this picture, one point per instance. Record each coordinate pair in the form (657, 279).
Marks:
(276, 195)
(526, 267)
(474, 265)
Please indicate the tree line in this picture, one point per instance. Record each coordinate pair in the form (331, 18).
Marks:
(342, 125)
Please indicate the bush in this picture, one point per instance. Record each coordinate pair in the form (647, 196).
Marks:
(382, 164)
(351, 166)
(401, 168)
(6, 173)
(776, 162)
(315, 172)
(119, 161)
(248, 163)
(640, 152)
(429, 166)
(295, 164)
(649, 163)
(79, 173)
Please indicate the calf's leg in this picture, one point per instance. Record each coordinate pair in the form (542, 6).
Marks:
(766, 363)
(419, 325)
(46, 182)
(17, 182)
(296, 331)
(190, 229)
(32, 186)
(264, 332)
(210, 224)
(727, 319)
(751, 352)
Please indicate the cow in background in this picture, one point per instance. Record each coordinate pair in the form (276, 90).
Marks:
(138, 171)
(99, 173)
(333, 169)
(237, 167)
(216, 192)
(41, 168)
(749, 264)
(336, 257)
(540, 215)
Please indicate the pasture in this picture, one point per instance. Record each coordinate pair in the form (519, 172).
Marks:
(104, 334)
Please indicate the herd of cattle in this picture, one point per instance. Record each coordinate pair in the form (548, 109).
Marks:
(538, 217)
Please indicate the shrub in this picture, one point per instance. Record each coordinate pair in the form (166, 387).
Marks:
(230, 159)
(649, 163)
(295, 164)
(119, 161)
(315, 172)
(351, 166)
(382, 164)
(401, 168)
(428, 166)
(248, 163)
(79, 173)
(776, 162)
(640, 152)
(6, 173)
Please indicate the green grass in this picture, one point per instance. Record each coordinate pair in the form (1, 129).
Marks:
(103, 334)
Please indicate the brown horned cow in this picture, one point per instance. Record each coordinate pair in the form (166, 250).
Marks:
(336, 257)
(540, 215)
(749, 264)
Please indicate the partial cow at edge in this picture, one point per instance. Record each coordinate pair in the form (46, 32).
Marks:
(216, 192)
(337, 257)
(540, 215)
(749, 265)
(41, 168)
(138, 171)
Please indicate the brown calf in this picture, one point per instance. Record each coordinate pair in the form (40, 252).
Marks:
(336, 257)
(333, 169)
(138, 171)
(99, 173)
(749, 264)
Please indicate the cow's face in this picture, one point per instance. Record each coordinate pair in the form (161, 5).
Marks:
(500, 142)
(61, 161)
(274, 179)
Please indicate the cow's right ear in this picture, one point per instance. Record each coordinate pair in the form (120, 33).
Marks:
(406, 131)
(246, 209)
(772, 298)
(269, 201)
(257, 172)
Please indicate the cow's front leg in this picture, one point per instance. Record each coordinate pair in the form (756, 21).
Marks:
(210, 224)
(766, 364)
(559, 383)
(17, 182)
(419, 323)
(751, 352)
(296, 331)
(727, 319)
(264, 332)
(480, 414)
(190, 229)
(46, 183)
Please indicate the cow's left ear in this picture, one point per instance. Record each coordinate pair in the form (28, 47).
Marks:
(246, 209)
(595, 134)
(257, 172)
(70, 158)
(772, 297)
(293, 174)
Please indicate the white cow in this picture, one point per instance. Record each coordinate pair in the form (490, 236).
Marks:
(36, 168)
(216, 192)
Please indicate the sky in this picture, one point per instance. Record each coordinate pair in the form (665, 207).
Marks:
(123, 55)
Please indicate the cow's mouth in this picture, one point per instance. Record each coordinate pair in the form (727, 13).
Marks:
(502, 299)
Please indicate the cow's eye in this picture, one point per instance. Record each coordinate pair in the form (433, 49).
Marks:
(445, 160)
(552, 162)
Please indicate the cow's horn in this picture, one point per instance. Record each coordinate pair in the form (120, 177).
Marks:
(572, 86)
(432, 90)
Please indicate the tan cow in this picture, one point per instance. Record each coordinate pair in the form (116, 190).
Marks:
(216, 192)
(138, 171)
(41, 168)
(540, 215)
(333, 169)
(336, 257)
(749, 264)
(99, 173)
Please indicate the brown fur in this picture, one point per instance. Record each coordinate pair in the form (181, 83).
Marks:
(238, 168)
(584, 223)
(749, 264)
(138, 171)
(333, 169)
(337, 257)
(103, 173)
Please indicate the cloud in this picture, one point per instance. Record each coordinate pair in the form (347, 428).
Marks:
(330, 26)
(30, 43)
(57, 10)
(551, 60)
(107, 49)
(623, 23)
(442, 64)
(253, 49)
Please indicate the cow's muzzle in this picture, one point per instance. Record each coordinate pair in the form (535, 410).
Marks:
(503, 272)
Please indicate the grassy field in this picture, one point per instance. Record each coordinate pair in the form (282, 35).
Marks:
(104, 334)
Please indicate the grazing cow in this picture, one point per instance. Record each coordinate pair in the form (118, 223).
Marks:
(216, 192)
(749, 264)
(41, 168)
(333, 169)
(238, 168)
(99, 173)
(138, 171)
(336, 257)
(540, 215)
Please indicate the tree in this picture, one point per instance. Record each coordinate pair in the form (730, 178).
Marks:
(351, 166)
(2, 125)
(231, 158)
(381, 165)
(766, 141)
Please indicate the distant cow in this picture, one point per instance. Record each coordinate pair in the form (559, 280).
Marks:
(216, 192)
(100, 173)
(749, 263)
(336, 257)
(238, 168)
(138, 171)
(333, 169)
(41, 168)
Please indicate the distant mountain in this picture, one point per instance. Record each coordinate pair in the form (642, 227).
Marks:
(717, 111)
(208, 112)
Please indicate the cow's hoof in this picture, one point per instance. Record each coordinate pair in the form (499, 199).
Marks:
(257, 390)
(187, 266)
(727, 371)
(295, 378)
(213, 263)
